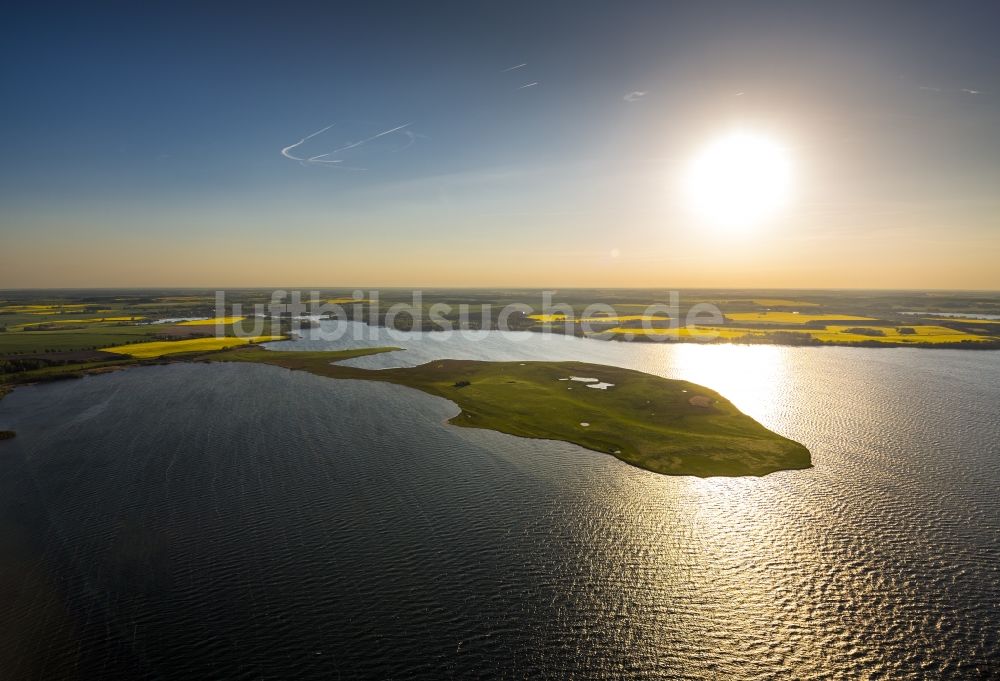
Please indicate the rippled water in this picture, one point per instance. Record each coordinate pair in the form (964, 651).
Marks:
(241, 521)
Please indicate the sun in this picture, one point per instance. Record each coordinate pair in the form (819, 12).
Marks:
(738, 180)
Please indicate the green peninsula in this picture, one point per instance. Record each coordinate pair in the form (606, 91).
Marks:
(662, 425)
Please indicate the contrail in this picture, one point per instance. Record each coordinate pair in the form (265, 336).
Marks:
(284, 152)
(514, 67)
(528, 85)
(316, 159)
(324, 159)
(369, 139)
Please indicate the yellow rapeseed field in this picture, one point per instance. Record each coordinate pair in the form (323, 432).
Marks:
(695, 332)
(160, 348)
(836, 333)
(208, 322)
(611, 319)
(921, 334)
(792, 317)
(346, 301)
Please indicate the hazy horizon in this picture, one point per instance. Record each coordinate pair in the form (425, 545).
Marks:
(488, 288)
(503, 144)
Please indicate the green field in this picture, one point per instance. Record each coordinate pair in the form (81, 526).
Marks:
(662, 425)
(90, 338)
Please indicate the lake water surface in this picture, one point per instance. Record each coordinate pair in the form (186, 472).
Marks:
(247, 522)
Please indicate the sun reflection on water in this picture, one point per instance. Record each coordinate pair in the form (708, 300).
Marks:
(751, 377)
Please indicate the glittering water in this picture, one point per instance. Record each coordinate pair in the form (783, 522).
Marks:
(240, 521)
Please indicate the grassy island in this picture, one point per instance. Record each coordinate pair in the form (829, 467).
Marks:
(666, 426)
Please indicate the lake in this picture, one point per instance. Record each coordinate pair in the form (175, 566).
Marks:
(247, 522)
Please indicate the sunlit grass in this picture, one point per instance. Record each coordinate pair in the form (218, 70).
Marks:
(161, 348)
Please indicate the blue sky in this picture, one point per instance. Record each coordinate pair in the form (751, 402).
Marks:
(137, 127)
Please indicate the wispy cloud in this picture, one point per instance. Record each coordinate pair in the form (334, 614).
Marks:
(528, 85)
(964, 90)
(635, 96)
(513, 68)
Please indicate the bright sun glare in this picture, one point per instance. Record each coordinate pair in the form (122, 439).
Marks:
(738, 180)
